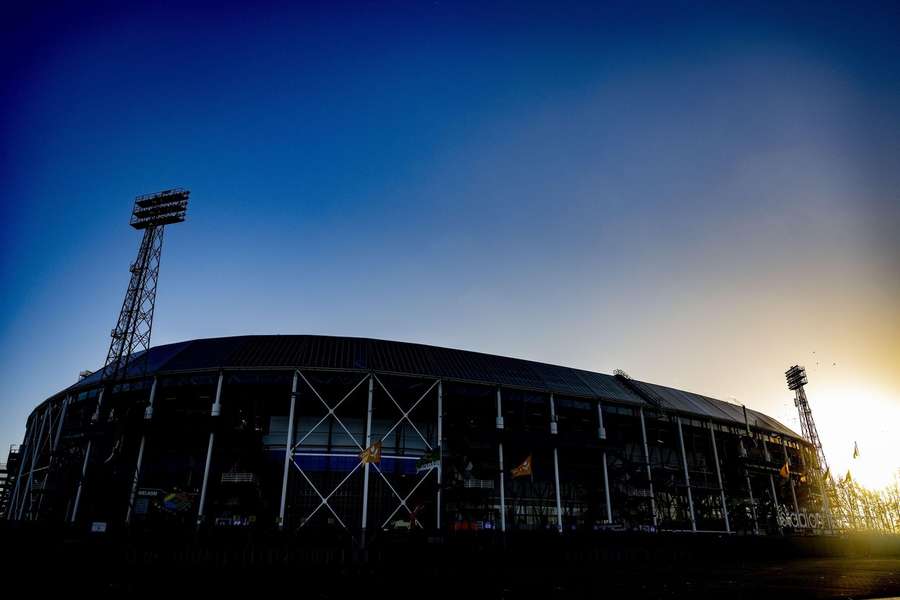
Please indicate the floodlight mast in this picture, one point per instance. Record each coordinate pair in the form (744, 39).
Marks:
(129, 346)
(151, 213)
(796, 379)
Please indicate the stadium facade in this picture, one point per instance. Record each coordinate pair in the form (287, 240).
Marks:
(311, 433)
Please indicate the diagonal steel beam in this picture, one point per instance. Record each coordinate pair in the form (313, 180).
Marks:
(405, 414)
(403, 500)
(331, 411)
(324, 499)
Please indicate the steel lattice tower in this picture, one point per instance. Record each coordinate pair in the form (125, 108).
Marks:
(130, 340)
(131, 335)
(796, 379)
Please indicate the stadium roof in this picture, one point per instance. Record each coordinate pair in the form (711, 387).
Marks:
(326, 352)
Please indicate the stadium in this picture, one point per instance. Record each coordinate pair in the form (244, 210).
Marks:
(305, 434)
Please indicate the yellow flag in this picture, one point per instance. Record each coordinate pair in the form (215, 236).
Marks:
(522, 470)
(372, 454)
(785, 471)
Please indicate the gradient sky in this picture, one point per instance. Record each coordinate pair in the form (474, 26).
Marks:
(700, 196)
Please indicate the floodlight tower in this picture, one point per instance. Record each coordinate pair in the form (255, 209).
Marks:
(796, 379)
(130, 340)
(152, 212)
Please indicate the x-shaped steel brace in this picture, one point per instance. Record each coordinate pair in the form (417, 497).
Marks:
(323, 500)
(330, 413)
(405, 413)
(403, 499)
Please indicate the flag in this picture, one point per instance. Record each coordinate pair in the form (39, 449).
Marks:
(372, 454)
(785, 471)
(524, 469)
(430, 460)
(177, 502)
(855, 450)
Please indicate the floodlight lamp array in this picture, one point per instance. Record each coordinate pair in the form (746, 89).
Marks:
(160, 208)
(796, 377)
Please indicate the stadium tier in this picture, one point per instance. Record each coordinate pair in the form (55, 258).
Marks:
(312, 433)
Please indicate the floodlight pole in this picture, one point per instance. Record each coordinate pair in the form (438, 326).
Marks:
(796, 380)
(130, 339)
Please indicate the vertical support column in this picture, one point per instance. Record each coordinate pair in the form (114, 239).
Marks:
(771, 479)
(59, 425)
(34, 455)
(365, 499)
(288, 452)
(790, 478)
(772, 484)
(687, 477)
(712, 437)
(87, 458)
(440, 447)
(24, 454)
(820, 482)
(747, 474)
(553, 432)
(148, 416)
(601, 433)
(214, 412)
(647, 464)
(752, 505)
(500, 455)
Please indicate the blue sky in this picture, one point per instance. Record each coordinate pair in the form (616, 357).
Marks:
(700, 196)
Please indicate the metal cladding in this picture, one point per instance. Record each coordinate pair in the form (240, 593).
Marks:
(362, 436)
(365, 354)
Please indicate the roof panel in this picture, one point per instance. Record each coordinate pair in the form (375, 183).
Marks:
(312, 351)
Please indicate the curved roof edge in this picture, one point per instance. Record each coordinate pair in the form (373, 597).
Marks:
(331, 352)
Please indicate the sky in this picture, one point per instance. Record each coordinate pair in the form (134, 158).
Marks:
(699, 195)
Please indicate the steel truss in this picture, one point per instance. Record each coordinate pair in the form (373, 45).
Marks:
(294, 450)
(39, 452)
(130, 339)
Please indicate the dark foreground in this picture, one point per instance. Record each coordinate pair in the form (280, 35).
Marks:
(614, 565)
